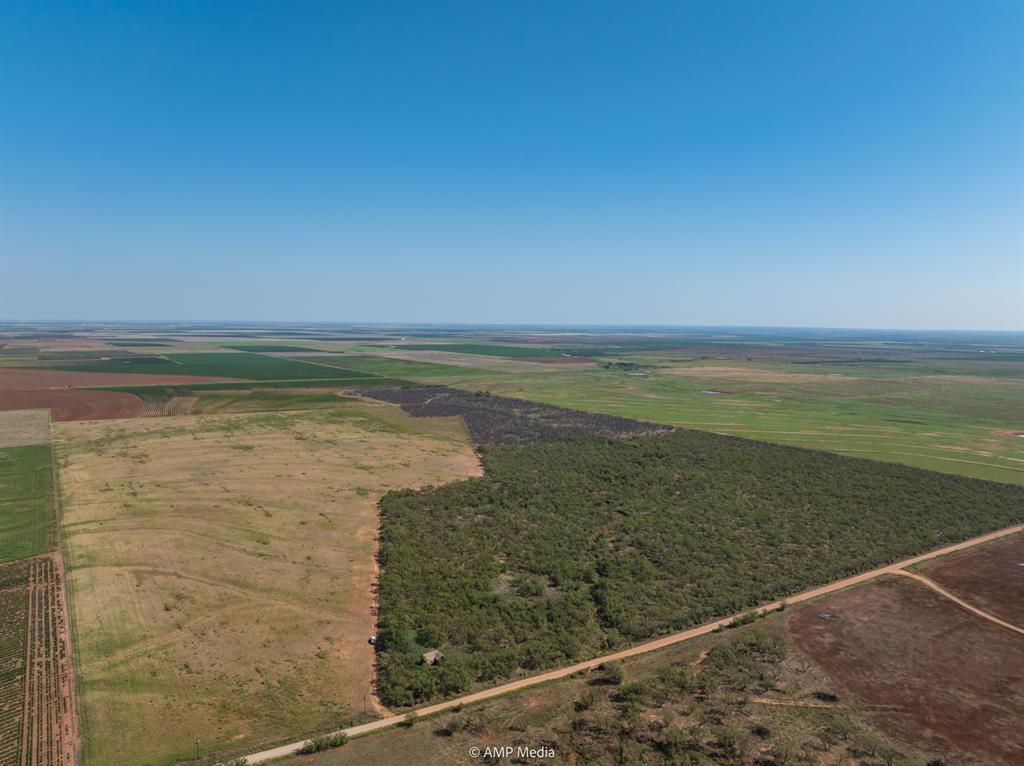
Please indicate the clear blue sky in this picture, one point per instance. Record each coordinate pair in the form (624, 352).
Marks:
(810, 164)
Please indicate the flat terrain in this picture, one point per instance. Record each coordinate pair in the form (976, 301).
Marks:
(939, 676)
(990, 577)
(27, 378)
(736, 697)
(26, 501)
(74, 404)
(220, 364)
(222, 570)
(21, 428)
(566, 550)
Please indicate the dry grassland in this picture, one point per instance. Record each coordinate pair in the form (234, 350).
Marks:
(754, 374)
(222, 570)
(22, 428)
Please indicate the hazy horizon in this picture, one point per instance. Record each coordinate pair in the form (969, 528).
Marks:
(665, 163)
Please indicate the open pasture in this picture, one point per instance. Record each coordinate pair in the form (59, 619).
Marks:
(484, 349)
(222, 570)
(954, 416)
(990, 577)
(922, 663)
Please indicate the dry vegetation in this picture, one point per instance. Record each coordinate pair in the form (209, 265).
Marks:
(22, 428)
(222, 570)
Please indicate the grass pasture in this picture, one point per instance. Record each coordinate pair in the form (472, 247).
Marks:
(221, 570)
(26, 501)
(483, 349)
(952, 417)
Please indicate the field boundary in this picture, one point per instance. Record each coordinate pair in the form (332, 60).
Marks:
(61, 557)
(283, 751)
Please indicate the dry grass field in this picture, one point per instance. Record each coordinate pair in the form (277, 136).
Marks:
(22, 428)
(222, 570)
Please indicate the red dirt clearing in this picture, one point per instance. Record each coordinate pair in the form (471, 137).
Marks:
(24, 378)
(71, 404)
(941, 678)
(990, 577)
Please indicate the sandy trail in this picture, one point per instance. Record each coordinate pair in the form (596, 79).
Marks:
(959, 601)
(650, 646)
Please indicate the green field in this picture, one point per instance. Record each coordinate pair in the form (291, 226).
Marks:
(228, 364)
(26, 501)
(420, 372)
(953, 413)
(511, 352)
(269, 348)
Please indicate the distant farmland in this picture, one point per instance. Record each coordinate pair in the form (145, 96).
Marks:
(512, 352)
(240, 365)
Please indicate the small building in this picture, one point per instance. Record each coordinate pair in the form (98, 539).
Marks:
(432, 657)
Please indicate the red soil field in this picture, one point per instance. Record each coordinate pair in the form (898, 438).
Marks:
(990, 577)
(940, 678)
(24, 378)
(71, 404)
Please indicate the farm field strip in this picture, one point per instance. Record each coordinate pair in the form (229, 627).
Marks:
(49, 729)
(14, 579)
(26, 501)
(650, 646)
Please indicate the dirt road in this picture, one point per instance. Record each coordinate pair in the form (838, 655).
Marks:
(959, 601)
(650, 646)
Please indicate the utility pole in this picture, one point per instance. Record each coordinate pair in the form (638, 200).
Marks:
(197, 748)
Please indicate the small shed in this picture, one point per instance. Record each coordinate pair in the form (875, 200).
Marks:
(432, 657)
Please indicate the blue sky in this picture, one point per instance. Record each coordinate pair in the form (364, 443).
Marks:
(802, 164)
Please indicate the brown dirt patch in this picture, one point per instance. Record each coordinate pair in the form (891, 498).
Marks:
(941, 678)
(71, 404)
(990, 577)
(24, 378)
